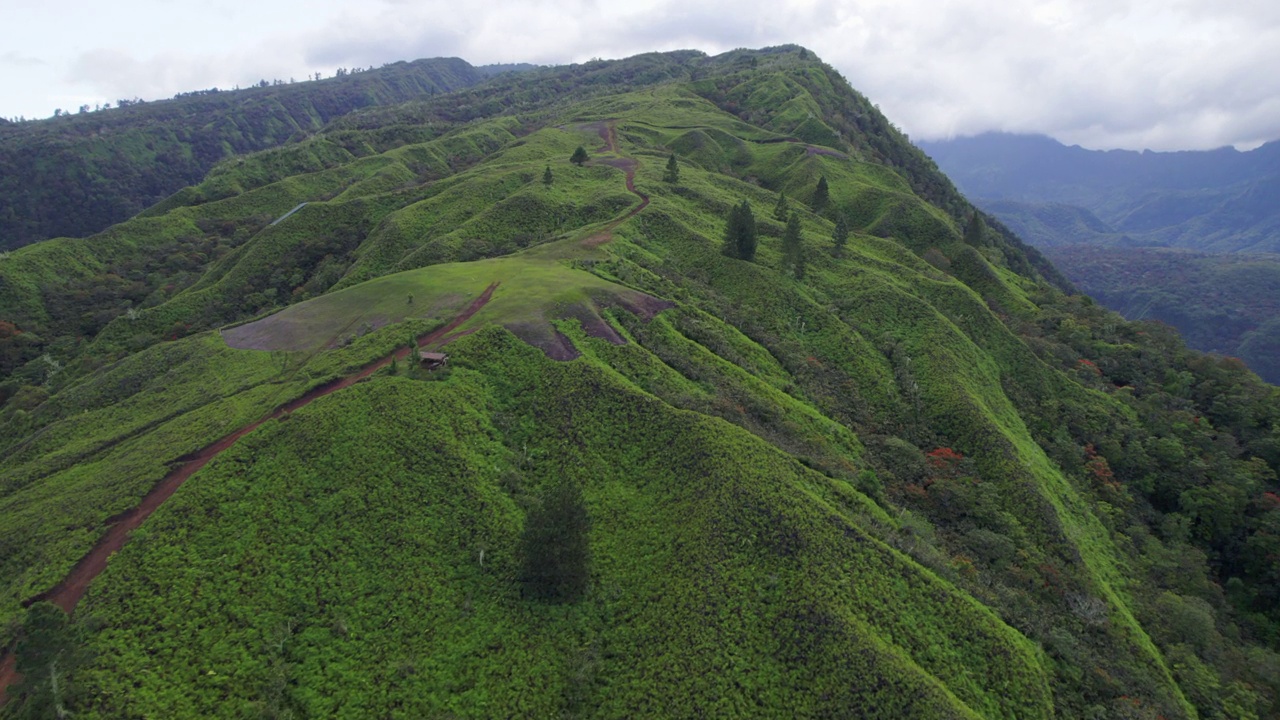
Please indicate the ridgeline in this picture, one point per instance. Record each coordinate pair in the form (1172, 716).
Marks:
(862, 456)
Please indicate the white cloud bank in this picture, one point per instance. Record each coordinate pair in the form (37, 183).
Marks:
(1173, 74)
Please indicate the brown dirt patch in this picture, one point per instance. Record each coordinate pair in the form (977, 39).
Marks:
(642, 305)
(546, 338)
(815, 150)
(8, 674)
(593, 324)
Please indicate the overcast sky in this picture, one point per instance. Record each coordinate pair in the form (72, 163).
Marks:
(1159, 74)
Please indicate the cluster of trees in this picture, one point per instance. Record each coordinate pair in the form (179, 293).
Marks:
(741, 231)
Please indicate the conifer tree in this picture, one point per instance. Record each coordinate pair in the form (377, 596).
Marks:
(579, 156)
(975, 231)
(547, 178)
(780, 211)
(740, 233)
(793, 247)
(822, 195)
(553, 551)
(672, 174)
(841, 234)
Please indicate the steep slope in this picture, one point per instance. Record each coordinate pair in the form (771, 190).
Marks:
(76, 174)
(654, 479)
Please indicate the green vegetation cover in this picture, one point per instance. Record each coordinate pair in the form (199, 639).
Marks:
(884, 465)
(79, 172)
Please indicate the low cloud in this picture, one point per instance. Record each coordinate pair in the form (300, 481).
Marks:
(1187, 74)
(18, 60)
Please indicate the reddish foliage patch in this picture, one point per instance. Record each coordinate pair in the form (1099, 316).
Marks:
(944, 460)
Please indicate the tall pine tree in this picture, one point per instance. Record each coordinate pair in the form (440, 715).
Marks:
(740, 234)
(553, 551)
(841, 234)
(975, 232)
(672, 175)
(780, 211)
(822, 195)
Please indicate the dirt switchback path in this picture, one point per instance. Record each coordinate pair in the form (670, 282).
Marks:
(609, 134)
(67, 593)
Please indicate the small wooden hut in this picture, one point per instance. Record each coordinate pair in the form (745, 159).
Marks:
(432, 360)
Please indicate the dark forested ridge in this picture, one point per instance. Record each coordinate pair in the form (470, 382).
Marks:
(78, 173)
(747, 412)
(1223, 303)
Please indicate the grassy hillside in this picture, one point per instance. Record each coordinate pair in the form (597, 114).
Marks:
(910, 478)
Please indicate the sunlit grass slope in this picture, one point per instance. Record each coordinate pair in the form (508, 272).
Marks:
(378, 543)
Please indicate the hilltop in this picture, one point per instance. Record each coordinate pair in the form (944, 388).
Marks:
(874, 459)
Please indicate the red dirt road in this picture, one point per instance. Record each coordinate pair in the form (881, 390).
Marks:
(628, 166)
(67, 594)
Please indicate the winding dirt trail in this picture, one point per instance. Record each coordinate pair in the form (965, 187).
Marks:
(608, 133)
(67, 593)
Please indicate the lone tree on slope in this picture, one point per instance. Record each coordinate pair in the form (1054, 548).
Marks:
(975, 233)
(822, 195)
(781, 210)
(672, 175)
(554, 554)
(841, 234)
(547, 178)
(740, 233)
(579, 156)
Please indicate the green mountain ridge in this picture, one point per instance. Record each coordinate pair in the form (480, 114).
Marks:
(911, 478)
(77, 174)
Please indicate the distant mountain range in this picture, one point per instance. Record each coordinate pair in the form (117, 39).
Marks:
(1187, 238)
(1213, 201)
